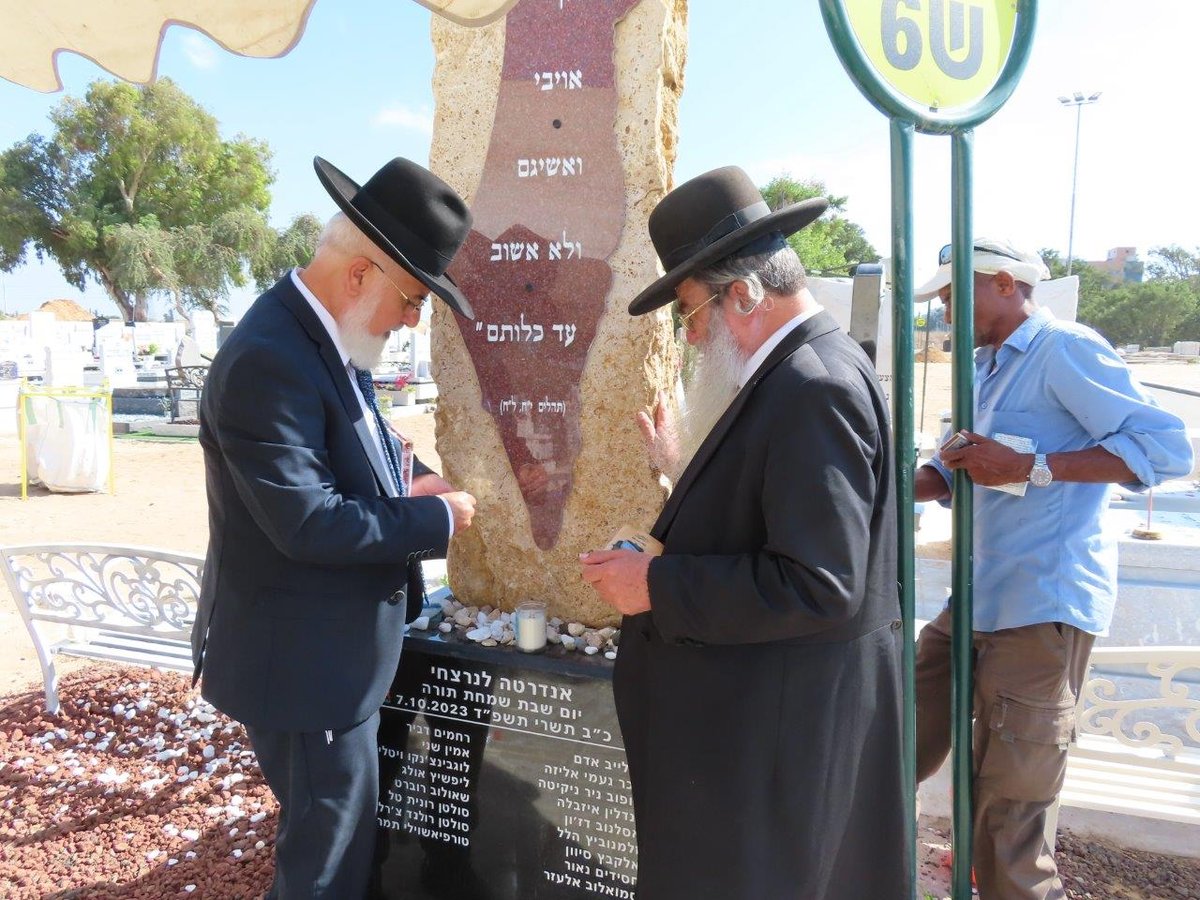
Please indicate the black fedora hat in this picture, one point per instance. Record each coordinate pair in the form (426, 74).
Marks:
(708, 218)
(411, 215)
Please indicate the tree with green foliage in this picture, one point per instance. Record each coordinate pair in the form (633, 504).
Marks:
(829, 245)
(1173, 263)
(136, 190)
(294, 246)
(1157, 312)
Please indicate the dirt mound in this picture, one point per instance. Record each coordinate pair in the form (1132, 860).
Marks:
(933, 355)
(67, 311)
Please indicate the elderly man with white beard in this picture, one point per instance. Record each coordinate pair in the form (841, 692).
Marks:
(758, 682)
(316, 529)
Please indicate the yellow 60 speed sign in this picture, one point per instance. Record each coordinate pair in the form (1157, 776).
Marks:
(939, 54)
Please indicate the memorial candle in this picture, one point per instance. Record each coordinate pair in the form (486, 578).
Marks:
(531, 626)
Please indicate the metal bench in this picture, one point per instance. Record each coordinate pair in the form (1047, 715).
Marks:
(125, 604)
(185, 385)
(1138, 751)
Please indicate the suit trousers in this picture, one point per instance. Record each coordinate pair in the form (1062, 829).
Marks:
(1027, 684)
(327, 784)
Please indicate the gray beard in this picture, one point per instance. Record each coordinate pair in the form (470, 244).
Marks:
(365, 349)
(712, 387)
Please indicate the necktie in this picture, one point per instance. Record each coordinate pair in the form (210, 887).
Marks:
(390, 453)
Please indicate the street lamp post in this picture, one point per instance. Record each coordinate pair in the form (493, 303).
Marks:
(1079, 101)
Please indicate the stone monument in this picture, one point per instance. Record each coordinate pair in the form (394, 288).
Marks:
(557, 123)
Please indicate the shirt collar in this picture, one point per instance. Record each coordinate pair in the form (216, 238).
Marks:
(988, 357)
(1029, 329)
(326, 317)
(774, 341)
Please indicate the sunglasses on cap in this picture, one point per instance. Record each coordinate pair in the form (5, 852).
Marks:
(944, 253)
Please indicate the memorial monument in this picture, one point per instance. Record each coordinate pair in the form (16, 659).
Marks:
(502, 774)
(557, 123)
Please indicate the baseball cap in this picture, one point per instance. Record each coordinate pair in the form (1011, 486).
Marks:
(989, 257)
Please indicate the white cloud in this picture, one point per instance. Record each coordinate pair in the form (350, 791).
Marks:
(200, 51)
(400, 116)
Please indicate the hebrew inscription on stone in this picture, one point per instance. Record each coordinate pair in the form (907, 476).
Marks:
(503, 773)
(548, 215)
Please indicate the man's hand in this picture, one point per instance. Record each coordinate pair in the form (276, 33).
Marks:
(430, 484)
(619, 577)
(462, 505)
(988, 462)
(661, 436)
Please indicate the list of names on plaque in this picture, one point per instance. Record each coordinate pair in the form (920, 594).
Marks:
(514, 771)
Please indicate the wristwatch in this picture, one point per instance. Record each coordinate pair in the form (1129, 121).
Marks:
(1040, 475)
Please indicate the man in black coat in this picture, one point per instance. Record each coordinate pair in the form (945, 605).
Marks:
(316, 529)
(758, 680)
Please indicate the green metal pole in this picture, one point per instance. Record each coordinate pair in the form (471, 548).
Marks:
(962, 689)
(904, 449)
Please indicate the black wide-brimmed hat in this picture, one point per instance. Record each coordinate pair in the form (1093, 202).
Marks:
(710, 218)
(411, 215)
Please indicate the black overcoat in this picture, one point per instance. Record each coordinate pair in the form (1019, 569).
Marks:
(760, 699)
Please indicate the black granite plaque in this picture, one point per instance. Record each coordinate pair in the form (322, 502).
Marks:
(502, 775)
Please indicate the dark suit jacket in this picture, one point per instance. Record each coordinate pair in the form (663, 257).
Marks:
(303, 600)
(759, 700)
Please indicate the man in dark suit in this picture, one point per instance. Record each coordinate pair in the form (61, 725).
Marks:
(758, 683)
(316, 529)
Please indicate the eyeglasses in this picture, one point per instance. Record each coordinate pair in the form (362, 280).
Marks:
(944, 253)
(686, 319)
(409, 302)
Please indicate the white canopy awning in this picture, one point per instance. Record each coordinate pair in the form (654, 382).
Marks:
(123, 36)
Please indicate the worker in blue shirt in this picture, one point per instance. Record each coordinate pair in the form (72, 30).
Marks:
(1058, 419)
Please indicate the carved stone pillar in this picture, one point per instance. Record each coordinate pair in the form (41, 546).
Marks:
(558, 124)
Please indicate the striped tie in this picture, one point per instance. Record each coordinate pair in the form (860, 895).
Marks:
(391, 454)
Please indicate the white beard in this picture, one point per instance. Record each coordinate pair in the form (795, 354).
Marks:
(712, 387)
(365, 349)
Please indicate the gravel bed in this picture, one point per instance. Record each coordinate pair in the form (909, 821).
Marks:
(137, 789)
(1090, 869)
(140, 790)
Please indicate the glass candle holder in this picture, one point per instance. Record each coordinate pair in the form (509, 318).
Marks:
(530, 619)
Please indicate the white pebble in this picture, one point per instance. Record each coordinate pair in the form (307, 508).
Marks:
(590, 650)
(421, 623)
(190, 834)
(479, 634)
(568, 642)
(189, 887)
(575, 629)
(445, 628)
(258, 817)
(610, 654)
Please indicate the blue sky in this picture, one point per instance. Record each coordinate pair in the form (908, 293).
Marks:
(763, 89)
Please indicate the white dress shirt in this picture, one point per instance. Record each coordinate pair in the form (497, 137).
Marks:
(331, 326)
(774, 341)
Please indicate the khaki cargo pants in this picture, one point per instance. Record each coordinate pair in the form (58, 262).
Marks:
(1027, 682)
